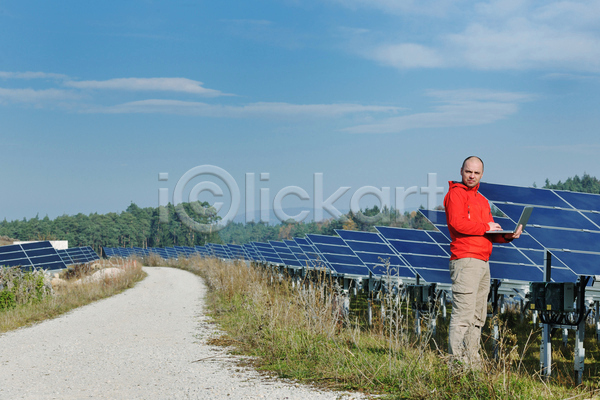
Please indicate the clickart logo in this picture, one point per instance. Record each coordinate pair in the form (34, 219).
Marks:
(188, 190)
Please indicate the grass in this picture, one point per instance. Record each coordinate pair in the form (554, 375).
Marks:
(68, 296)
(300, 330)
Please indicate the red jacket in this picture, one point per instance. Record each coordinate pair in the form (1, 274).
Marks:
(468, 214)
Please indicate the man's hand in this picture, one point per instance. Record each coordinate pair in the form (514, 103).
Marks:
(494, 226)
(515, 235)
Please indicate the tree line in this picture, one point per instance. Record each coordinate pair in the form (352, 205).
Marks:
(134, 227)
(585, 184)
(163, 227)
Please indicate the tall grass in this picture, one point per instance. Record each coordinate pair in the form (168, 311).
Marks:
(71, 294)
(300, 329)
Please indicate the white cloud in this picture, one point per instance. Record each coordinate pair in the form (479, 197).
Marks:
(523, 45)
(183, 85)
(31, 75)
(35, 96)
(459, 108)
(408, 55)
(262, 109)
(491, 35)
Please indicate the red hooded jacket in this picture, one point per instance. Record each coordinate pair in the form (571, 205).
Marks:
(468, 214)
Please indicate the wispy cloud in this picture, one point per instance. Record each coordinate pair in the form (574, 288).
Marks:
(32, 96)
(182, 85)
(70, 99)
(408, 55)
(261, 109)
(458, 108)
(31, 75)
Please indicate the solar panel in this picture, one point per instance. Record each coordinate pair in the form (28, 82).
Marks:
(65, 257)
(376, 254)
(423, 254)
(338, 255)
(502, 194)
(267, 252)
(161, 252)
(565, 223)
(286, 255)
(315, 258)
(252, 253)
(36, 254)
(237, 251)
(302, 258)
(78, 255)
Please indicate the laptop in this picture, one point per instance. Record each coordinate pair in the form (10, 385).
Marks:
(522, 221)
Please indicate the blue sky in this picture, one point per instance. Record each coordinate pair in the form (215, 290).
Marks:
(98, 98)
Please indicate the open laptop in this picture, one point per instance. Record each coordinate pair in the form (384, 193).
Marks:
(522, 221)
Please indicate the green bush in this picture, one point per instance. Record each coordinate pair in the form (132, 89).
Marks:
(18, 286)
(7, 299)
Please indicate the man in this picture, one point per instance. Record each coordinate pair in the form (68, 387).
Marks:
(469, 217)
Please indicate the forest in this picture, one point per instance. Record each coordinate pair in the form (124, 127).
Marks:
(163, 227)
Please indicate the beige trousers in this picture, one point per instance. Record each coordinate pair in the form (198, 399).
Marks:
(470, 289)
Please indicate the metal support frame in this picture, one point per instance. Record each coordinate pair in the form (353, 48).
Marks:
(597, 317)
(444, 310)
(496, 330)
(418, 313)
(546, 346)
(577, 324)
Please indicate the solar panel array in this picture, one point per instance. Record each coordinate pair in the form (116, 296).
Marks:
(31, 255)
(565, 223)
(351, 254)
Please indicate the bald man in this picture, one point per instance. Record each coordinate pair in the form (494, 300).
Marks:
(469, 217)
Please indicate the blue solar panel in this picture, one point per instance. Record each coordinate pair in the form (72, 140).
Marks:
(64, 255)
(267, 252)
(376, 254)
(427, 258)
(549, 217)
(498, 194)
(406, 247)
(515, 272)
(414, 235)
(37, 254)
(338, 255)
(298, 253)
(252, 253)
(564, 239)
(286, 255)
(160, 252)
(316, 260)
(237, 251)
(77, 255)
(566, 223)
(580, 201)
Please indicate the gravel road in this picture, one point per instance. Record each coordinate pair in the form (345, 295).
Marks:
(141, 344)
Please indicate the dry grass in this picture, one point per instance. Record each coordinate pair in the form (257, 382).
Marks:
(69, 295)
